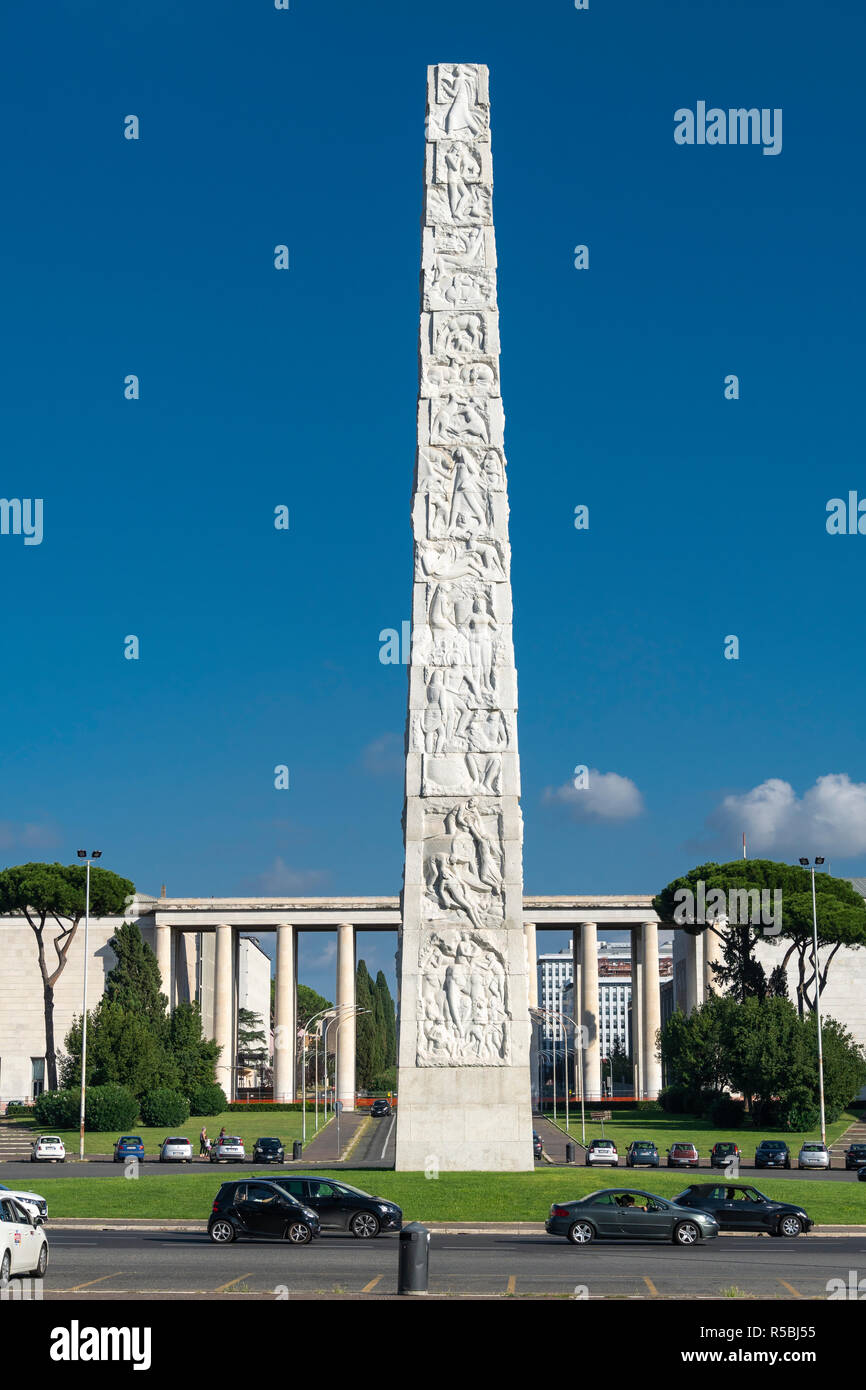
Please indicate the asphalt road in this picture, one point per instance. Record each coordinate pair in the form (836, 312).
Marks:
(112, 1263)
(381, 1141)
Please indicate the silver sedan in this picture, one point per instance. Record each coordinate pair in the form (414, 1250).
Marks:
(813, 1155)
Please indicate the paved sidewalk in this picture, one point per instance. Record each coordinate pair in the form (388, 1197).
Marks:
(324, 1147)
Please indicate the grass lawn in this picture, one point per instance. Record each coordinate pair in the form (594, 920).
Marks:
(665, 1129)
(285, 1124)
(451, 1197)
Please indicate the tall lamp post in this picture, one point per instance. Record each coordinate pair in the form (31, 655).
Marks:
(578, 1036)
(82, 854)
(806, 865)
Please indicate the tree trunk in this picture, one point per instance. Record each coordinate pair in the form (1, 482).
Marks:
(50, 1054)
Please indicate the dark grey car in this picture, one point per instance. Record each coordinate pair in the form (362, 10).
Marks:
(626, 1213)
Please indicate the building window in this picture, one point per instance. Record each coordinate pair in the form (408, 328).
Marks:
(37, 1076)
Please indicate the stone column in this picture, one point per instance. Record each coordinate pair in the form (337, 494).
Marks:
(531, 964)
(285, 1027)
(589, 1011)
(165, 959)
(712, 955)
(344, 1028)
(637, 1012)
(577, 1000)
(652, 1070)
(223, 1012)
(694, 971)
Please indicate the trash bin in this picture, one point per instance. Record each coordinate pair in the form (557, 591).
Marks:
(569, 1153)
(414, 1258)
(297, 1150)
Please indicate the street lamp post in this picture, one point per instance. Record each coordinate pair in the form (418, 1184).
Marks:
(578, 1034)
(349, 1011)
(82, 854)
(806, 865)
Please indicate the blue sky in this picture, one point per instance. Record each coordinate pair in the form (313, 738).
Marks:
(260, 388)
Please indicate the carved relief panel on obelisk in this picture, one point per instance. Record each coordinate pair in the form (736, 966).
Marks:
(463, 1083)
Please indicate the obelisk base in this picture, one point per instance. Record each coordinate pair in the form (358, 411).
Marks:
(464, 1119)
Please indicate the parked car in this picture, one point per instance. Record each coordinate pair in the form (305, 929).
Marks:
(176, 1150)
(537, 1145)
(269, 1151)
(262, 1210)
(724, 1152)
(380, 1107)
(772, 1153)
(740, 1208)
(642, 1153)
(861, 1173)
(813, 1155)
(229, 1149)
(35, 1206)
(23, 1244)
(48, 1148)
(619, 1213)
(855, 1156)
(341, 1207)
(683, 1155)
(129, 1146)
(602, 1151)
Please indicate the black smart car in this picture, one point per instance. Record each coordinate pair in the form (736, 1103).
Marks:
(740, 1208)
(855, 1156)
(269, 1151)
(379, 1108)
(343, 1208)
(772, 1153)
(261, 1210)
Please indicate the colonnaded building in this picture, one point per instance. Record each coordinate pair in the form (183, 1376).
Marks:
(205, 954)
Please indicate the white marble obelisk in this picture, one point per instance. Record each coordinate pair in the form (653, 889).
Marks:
(463, 1082)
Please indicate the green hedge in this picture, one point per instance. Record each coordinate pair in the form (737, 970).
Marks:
(242, 1106)
(109, 1107)
(19, 1112)
(207, 1100)
(105, 1108)
(164, 1108)
(57, 1109)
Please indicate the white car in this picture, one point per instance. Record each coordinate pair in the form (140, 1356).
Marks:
(229, 1148)
(35, 1206)
(602, 1151)
(176, 1150)
(23, 1246)
(813, 1155)
(48, 1149)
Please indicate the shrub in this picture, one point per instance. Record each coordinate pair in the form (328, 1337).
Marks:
(243, 1106)
(109, 1107)
(798, 1110)
(727, 1113)
(767, 1114)
(19, 1112)
(208, 1099)
(164, 1108)
(57, 1109)
(680, 1100)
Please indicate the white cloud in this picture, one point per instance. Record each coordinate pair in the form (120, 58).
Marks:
(280, 880)
(385, 756)
(29, 836)
(829, 819)
(607, 797)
